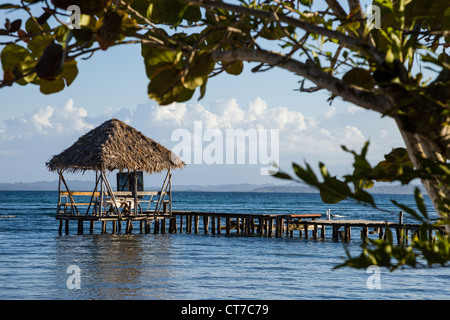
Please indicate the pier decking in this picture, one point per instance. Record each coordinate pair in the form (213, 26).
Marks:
(306, 226)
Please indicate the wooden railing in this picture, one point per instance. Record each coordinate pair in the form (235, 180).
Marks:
(71, 206)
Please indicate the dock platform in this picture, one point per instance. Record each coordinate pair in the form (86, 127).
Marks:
(307, 226)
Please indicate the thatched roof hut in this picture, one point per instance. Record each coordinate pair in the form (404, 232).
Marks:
(114, 145)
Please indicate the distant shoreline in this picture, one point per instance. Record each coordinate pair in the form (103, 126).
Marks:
(79, 185)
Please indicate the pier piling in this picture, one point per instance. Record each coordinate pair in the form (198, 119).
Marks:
(270, 225)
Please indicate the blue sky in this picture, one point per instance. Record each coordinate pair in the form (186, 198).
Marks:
(33, 126)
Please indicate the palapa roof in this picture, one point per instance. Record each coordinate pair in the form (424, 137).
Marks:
(114, 145)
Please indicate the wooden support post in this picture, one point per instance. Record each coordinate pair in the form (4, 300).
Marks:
(188, 224)
(174, 221)
(287, 226)
(103, 227)
(129, 227)
(163, 225)
(67, 227)
(114, 227)
(60, 227)
(270, 227)
(156, 226)
(141, 226)
(213, 225)
(91, 227)
(196, 218)
(205, 224)
(245, 225)
(238, 225)
(315, 233)
(218, 225)
(322, 231)
(147, 226)
(228, 225)
(181, 223)
(364, 233)
(80, 226)
(335, 232)
(380, 235)
(347, 233)
(305, 225)
(260, 227)
(277, 228)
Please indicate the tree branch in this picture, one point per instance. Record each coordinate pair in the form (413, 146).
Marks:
(350, 42)
(362, 98)
(337, 8)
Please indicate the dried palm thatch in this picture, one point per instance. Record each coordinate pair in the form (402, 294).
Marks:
(114, 145)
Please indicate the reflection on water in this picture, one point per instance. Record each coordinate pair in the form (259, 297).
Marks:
(118, 266)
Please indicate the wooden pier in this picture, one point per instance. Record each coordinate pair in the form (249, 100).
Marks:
(115, 146)
(306, 226)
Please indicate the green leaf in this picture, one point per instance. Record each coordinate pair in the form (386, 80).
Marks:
(199, 70)
(307, 175)
(165, 11)
(364, 196)
(13, 55)
(334, 190)
(307, 3)
(185, 95)
(32, 28)
(282, 175)
(235, 68)
(6, 6)
(26, 67)
(140, 6)
(165, 86)
(359, 77)
(109, 28)
(420, 202)
(38, 44)
(84, 36)
(48, 87)
(412, 212)
(388, 235)
(50, 64)
(192, 14)
(70, 71)
(203, 89)
(156, 56)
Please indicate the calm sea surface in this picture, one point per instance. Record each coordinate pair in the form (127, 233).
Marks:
(34, 259)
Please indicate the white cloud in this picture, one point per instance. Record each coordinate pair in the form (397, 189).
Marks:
(330, 112)
(48, 121)
(353, 109)
(28, 140)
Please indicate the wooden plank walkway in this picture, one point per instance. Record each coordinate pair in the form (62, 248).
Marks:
(270, 225)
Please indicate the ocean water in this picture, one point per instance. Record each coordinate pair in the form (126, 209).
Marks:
(36, 262)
